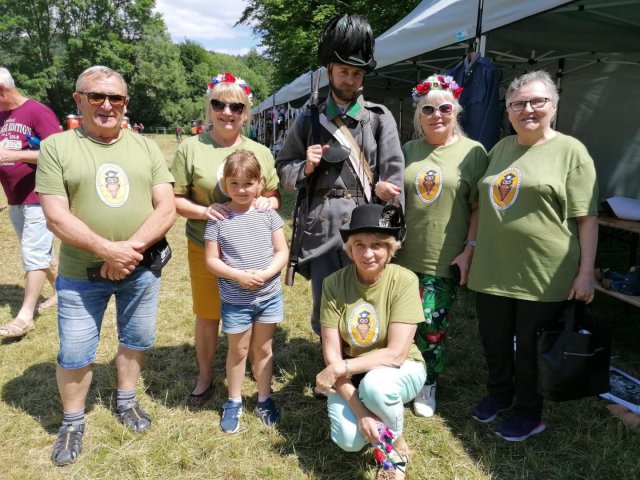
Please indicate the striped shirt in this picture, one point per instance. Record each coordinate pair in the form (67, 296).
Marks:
(245, 244)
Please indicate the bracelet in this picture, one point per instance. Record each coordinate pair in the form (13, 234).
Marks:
(470, 243)
(347, 373)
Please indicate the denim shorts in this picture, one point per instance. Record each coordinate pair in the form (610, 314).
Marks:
(36, 241)
(81, 307)
(240, 318)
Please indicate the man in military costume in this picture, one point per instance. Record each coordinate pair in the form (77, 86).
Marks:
(349, 156)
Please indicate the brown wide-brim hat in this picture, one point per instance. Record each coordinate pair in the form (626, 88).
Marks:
(370, 217)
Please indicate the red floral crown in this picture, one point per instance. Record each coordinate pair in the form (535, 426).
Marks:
(228, 78)
(436, 82)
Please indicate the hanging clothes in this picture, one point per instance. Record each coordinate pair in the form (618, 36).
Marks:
(480, 98)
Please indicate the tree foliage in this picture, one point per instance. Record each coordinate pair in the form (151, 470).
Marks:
(46, 44)
(290, 28)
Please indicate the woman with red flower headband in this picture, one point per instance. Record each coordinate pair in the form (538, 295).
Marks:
(442, 168)
(200, 196)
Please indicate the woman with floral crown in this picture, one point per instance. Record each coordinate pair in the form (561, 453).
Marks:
(200, 196)
(442, 168)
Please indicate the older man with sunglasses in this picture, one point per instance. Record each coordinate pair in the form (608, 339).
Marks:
(107, 194)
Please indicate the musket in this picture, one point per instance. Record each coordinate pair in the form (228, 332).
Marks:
(296, 238)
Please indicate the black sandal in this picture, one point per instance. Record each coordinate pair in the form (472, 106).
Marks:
(68, 445)
(133, 417)
(196, 401)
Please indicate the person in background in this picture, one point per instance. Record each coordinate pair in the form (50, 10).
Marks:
(536, 246)
(335, 177)
(369, 314)
(248, 269)
(442, 168)
(200, 195)
(24, 122)
(106, 193)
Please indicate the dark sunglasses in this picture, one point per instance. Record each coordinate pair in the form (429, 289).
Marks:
(96, 99)
(219, 106)
(445, 109)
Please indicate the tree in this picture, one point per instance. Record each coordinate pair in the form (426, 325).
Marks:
(290, 28)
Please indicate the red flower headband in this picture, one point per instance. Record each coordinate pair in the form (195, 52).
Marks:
(436, 82)
(228, 78)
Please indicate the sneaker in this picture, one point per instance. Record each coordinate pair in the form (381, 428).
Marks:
(133, 417)
(267, 411)
(487, 409)
(68, 445)
(424, 405)
(230, 421)
(517, 428)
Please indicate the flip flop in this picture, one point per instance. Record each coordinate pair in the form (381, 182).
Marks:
(16, 328)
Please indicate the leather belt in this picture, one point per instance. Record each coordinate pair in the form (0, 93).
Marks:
(338, 193)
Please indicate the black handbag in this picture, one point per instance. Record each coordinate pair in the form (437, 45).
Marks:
(573, 364)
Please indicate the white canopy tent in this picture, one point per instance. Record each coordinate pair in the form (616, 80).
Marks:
(592, 46)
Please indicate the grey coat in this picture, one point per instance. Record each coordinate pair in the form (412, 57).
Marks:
(374, 129)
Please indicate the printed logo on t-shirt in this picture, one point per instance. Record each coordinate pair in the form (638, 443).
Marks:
(363, 325)
(504, 188)
(112, 185)
(429, 183)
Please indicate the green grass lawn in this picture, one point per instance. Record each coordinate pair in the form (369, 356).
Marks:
(582, 440)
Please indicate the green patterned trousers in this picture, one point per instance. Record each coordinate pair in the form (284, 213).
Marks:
(437, 295)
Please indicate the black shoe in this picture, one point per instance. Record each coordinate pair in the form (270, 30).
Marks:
(196, 401)
(68, 445)
(487, 409)
(133, 417)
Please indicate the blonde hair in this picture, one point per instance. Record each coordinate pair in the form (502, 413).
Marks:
(229, 93)
(434, 97)
(390, 242)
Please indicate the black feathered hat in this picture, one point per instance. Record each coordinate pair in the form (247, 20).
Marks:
(348, 39)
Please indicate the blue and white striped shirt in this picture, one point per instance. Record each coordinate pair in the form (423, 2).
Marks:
(245, 244)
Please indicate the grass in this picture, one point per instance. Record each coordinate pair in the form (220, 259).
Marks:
(582, 441)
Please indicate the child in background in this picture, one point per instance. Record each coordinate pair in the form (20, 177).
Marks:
(247, 250)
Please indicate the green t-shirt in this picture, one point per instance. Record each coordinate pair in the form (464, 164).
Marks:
(363, 313)
(527, 244)
(197, 168)
(439, 185)
(108, 186)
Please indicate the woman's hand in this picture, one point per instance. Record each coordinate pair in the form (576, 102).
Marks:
(326, 379)
(368, 426)
(583, 287)
(215, 211)
(386, 191)
(464, 263)
(263, 204)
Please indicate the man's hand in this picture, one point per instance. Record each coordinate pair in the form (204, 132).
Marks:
(314, 155)
(121, 258)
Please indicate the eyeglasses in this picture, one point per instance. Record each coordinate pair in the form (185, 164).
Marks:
(97, 99)
(522, 104)
(219, 106)
(444, 109)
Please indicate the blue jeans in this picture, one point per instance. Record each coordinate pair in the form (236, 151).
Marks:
(240, 318)
(81, 307)
(384, 391)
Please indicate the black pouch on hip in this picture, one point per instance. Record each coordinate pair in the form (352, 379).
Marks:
(157, 255)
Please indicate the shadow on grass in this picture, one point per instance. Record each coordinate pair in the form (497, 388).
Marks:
(12, 296)
(36, 392)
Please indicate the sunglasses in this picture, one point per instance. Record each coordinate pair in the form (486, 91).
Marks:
(96, 99)
(219, 106)
(445, 109)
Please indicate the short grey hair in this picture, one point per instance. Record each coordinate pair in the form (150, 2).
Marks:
(6, 79)
(536, 76)
(101, 71)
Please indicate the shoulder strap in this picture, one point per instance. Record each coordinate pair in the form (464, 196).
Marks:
(360, 163)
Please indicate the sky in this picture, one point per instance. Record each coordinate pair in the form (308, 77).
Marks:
(210, 23)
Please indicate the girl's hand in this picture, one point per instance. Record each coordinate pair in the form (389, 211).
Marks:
(215, 211)
(249, 280)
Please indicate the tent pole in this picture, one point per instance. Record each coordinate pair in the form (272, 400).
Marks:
(559, 74)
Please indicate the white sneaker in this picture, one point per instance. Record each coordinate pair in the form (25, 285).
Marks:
(424, 405)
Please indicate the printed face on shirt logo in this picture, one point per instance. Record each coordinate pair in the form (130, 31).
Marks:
(504, 188)
(363, 325)
(429, 183)
(112, 185)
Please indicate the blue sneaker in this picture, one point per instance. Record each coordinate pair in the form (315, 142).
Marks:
(517, 428)
(230, 421)
(487, 409)
(267, 411)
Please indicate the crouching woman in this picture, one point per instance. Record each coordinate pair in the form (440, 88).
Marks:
(369, 314)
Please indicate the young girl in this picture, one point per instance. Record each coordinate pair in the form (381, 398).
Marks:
(247, 250)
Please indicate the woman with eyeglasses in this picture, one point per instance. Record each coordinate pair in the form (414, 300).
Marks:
(442, 168)
(200, 196)
(537, 240)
